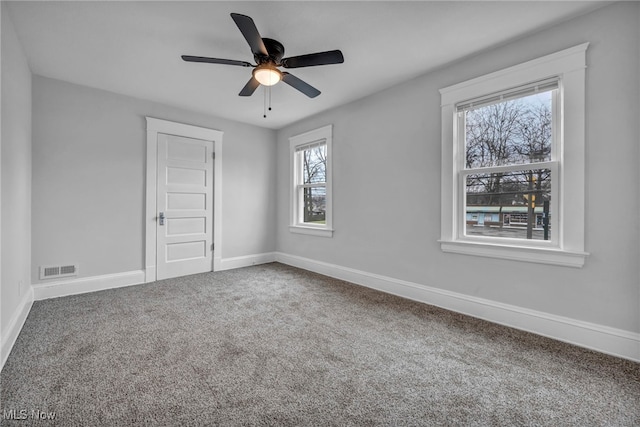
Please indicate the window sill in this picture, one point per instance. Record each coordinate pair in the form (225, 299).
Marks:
(312, 231)
(516, 253)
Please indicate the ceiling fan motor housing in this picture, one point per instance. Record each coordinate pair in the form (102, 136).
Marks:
(275, 49)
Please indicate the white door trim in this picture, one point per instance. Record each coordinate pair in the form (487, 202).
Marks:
(154, 127)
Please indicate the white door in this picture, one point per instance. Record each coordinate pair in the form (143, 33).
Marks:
(185, 206)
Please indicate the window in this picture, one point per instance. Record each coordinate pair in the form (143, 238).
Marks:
(510, 162)
(513, 162)
(311, 182)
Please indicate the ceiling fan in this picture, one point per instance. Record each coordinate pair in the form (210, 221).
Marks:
(268, 54)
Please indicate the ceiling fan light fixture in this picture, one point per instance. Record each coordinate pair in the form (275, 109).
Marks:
(267, 75)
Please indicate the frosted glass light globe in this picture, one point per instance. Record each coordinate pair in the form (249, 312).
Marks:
(267, 75)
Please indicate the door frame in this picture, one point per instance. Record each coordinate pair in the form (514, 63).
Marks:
(155, 127)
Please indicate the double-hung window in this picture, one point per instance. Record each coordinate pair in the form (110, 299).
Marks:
(311, 182)
(513, 162)
(508, 179)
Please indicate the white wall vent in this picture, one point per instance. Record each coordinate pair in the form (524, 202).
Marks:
(54, 271)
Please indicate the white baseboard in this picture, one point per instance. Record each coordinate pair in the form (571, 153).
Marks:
(61, 288)
(86, 284)
(616, 342)
(16, 322)
(246, 261)
(217, 263)
(150, 274)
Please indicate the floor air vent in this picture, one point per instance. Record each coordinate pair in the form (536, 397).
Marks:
(54, 271)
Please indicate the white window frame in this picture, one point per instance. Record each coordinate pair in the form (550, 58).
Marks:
(296, 224)
(552, 164)
(567, 245)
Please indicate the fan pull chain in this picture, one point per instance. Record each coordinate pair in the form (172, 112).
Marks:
(267, 92)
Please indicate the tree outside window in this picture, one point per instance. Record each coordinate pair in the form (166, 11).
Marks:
(314, 175)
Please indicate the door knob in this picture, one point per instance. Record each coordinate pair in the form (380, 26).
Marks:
(161, 218)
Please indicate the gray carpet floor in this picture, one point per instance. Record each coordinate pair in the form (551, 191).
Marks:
(275, 345)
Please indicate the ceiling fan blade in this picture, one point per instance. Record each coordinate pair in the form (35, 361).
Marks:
(301, 85)
(312, 59)
(248, 29)
(189, 58)
(250, 87)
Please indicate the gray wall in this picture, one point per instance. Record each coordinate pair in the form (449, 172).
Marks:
(15, 217)
(386, 182)
(89, 151)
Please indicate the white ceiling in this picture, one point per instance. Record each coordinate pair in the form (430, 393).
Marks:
(134, 48)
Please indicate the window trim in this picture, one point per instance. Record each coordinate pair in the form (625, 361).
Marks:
(325, 134)
(569, 66)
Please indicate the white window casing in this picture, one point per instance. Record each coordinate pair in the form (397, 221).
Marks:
(566, 70)
(297, 145)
